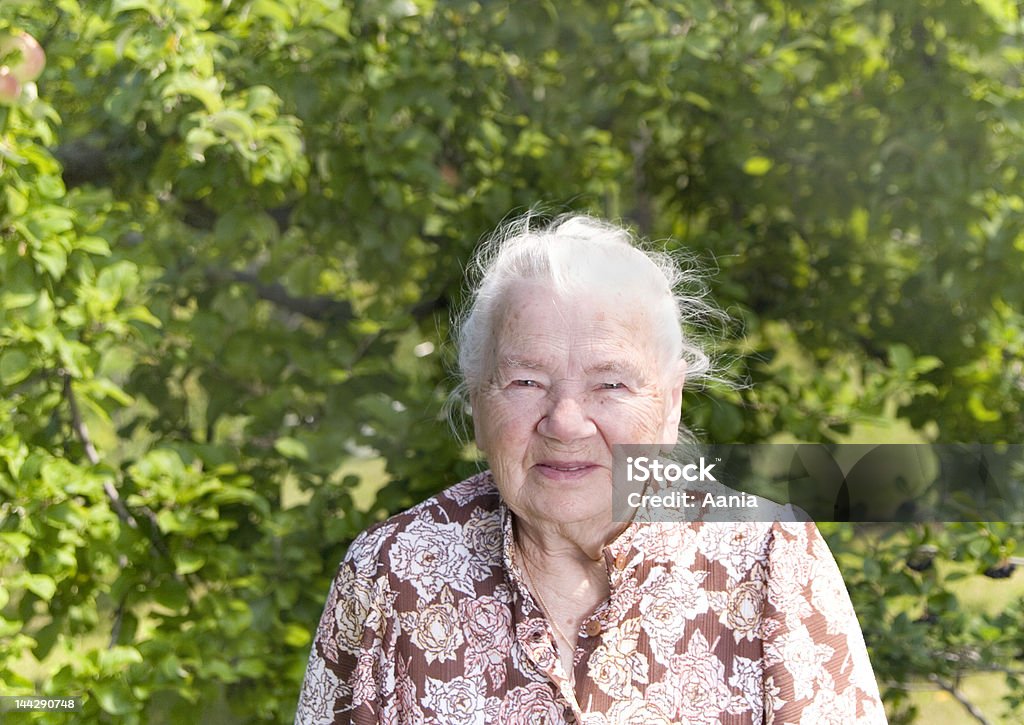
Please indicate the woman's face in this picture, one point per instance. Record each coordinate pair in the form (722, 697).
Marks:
(570, 378)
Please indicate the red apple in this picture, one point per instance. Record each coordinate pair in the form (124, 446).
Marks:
(28, 65)
(10, 89)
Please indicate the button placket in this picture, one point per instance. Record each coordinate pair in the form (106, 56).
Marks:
(540, 650)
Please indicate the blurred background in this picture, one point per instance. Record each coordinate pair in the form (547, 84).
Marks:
(233, 232)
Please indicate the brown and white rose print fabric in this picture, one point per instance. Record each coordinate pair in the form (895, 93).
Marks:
(428, 621)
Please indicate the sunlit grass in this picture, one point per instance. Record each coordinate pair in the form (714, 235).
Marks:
(985, 690)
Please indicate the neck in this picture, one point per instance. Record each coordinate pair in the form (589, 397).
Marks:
(559, 546)
(566, 568)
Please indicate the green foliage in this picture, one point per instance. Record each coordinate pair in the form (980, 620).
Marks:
(232, 232)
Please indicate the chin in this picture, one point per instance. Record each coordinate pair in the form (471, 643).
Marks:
(568, 509)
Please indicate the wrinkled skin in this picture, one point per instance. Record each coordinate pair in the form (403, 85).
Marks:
(570, 378)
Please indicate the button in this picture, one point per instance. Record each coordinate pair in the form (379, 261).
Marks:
(621, 560)
(593, 628)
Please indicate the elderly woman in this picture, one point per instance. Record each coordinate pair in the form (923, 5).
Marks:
(512, 597)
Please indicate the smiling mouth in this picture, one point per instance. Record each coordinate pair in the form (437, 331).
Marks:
(565, 469)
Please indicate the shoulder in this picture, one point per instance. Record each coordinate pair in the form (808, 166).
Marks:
(743, 548)
(799, 538)
(463, 518)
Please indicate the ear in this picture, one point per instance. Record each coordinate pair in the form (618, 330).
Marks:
(674, 404)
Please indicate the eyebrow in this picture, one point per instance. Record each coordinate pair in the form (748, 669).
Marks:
(519, 363)
(618, 367)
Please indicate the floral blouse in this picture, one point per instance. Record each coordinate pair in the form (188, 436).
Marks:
(429, 621)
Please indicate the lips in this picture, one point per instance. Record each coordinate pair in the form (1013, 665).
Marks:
(564, 470)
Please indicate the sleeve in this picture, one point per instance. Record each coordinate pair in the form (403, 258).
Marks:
(347, 678)
(817, 669)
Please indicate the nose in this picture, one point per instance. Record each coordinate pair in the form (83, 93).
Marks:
(566, 420)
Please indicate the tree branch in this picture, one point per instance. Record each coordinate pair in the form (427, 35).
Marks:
(126, 516)
(78, 426)
(321, 308)
(115, 629)
(76, 421)
(971, 708)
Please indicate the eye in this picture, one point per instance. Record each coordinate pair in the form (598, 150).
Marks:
(525, 384)
(612, 386)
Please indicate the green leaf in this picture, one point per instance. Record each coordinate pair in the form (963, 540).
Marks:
(168, 522)
(872, 571)
(171, 594)
(53, 259)
(17, 541)
(41, 585)
(114, 697)
(251, 667)
(17, 291)
(100, 388)
(115, 659)
(121, 6)
(217, 669)
(236, 617)
(17, 203)
(93, 245)
(46, 638)
(291, 448)
(198, 140)
(272, 10)
(204, 90)
(901, 357)
(978, 548)
(296, 635)
(138, 313)
(336, 21)
(48, 222)
(10, 155)
(233, 125)
(15, 366)
(50, 187)
(927, 363)
(979, 410)
(117, 279)
(757, 165)
(698, 100)
(186, 562)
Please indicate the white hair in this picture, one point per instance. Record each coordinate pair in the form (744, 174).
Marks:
(572, 253)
